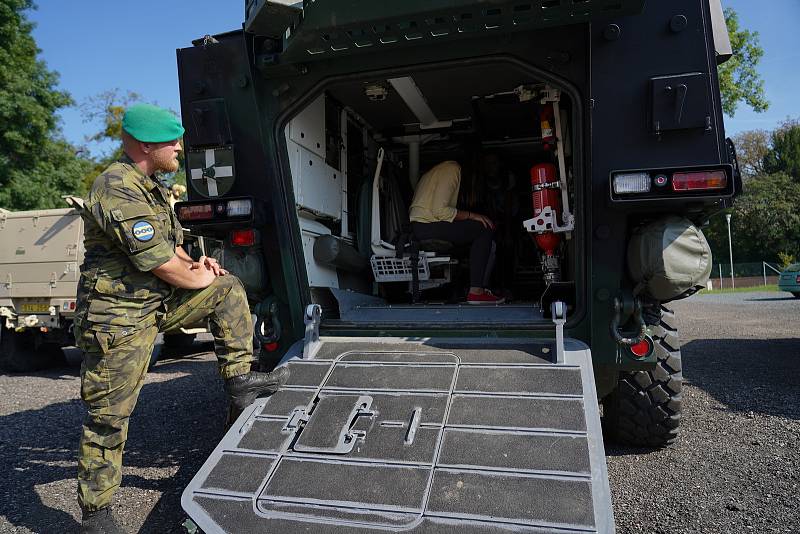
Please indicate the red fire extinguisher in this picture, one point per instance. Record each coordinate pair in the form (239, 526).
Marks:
(546, 193)
(547, 123)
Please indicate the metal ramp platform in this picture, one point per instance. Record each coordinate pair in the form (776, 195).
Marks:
(461, 436)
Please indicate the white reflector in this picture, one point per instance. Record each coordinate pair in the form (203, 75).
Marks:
(636, 182)
(239, 208)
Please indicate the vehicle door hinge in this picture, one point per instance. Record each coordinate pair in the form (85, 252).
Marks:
(311, 343)
(558, 309)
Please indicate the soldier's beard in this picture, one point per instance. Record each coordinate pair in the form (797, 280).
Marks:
(165, 162)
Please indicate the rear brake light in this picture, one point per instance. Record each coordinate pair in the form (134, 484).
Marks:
(797, 280)
(637, 182)
(243, 238)
(699, 181)
(197, 212)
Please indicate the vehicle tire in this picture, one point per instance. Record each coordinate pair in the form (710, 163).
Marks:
(796, 294)
(179, 340)
(18, 352)
(645, 408)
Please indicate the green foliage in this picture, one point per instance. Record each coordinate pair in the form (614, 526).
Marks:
(738, 78)
(36, 165)
(786, 259)
(784, 155)
(765, 220)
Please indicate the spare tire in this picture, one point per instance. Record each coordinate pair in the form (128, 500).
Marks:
(669, 258)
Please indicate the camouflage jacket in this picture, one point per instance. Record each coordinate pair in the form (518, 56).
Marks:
(130, 229)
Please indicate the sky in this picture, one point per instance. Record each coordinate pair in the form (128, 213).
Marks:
(100, 45)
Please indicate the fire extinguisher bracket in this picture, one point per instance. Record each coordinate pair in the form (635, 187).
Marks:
(547, 221)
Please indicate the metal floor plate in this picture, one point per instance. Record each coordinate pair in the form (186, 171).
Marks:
(459, 436)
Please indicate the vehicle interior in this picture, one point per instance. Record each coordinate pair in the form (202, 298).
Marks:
(356, 153)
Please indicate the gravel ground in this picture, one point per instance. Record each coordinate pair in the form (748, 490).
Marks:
(735, 467)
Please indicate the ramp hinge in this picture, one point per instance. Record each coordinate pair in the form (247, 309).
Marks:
(559, 312)
(311, 342)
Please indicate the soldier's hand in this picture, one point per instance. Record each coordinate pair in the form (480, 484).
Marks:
(205, 274)
(213, 264)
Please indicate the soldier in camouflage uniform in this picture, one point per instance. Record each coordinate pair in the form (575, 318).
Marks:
(135, 281)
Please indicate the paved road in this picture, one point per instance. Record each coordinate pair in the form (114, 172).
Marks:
(735, 468)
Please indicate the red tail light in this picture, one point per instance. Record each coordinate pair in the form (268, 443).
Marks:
(243, 238)
(643, 349)
(198, 212)
(699, 181)
(270, 347)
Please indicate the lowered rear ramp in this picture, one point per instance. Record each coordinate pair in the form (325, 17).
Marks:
(460, 436)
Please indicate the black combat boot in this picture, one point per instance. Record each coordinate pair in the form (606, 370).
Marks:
(100, 521)
(244, 389)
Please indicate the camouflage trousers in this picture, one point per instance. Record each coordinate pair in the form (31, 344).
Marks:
(115, 364)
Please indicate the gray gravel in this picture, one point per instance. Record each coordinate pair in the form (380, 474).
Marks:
(736, 464)
(735, 467)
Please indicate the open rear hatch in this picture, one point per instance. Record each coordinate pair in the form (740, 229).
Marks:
(440, 435)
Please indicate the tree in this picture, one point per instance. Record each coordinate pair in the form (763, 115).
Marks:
(784, 154)
(751, 149)
(36, 165)
(765, 221)
(739, 80)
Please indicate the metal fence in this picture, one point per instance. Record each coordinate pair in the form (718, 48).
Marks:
(744, 275)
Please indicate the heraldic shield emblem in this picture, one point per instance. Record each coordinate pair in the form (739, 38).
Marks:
(211, 170)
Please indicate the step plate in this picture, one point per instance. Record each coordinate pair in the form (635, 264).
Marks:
(440, 436)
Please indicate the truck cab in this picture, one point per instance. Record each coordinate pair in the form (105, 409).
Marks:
(578, 126)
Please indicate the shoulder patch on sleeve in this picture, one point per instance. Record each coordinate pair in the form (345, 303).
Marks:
(143, 231)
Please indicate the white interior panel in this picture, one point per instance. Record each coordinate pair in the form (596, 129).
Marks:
(318, 275)
(308, 128)
(317, 187)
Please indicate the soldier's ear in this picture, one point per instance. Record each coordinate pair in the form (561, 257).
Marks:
(146, 147)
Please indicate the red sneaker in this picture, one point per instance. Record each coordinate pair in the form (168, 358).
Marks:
(487, 297)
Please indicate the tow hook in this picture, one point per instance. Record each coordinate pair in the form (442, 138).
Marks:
(624, 308)
(268, 326)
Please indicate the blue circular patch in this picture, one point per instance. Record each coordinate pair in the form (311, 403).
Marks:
(143, 231)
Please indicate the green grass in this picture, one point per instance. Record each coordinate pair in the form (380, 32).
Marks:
(771, 287)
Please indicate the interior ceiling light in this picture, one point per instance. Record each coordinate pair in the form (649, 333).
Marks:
(376, 92)
(414, 99)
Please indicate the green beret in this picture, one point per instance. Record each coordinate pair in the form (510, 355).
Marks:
(151, 124)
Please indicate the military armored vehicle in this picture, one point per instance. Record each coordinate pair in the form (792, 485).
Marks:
(306, 133)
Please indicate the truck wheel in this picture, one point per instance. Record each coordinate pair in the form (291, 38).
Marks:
(18, 352)
(645, 408)
(796, 294)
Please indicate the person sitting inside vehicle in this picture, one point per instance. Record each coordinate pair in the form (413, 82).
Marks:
(433, 215)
